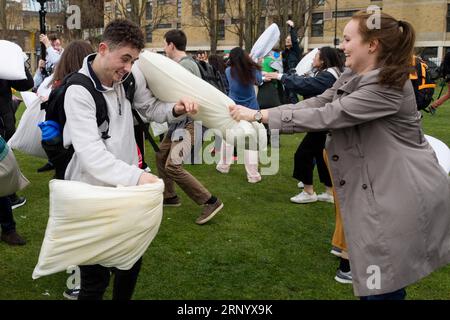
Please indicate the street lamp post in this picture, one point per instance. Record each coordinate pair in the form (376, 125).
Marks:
(42, 30)
(336, 40)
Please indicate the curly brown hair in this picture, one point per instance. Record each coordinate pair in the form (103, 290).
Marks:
(123, 32)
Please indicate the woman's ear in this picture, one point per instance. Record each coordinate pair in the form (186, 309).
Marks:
(373, 45)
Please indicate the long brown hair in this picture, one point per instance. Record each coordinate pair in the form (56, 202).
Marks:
(242, 66)
(71, 59)
(396, 39)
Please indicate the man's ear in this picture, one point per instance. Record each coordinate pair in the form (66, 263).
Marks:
(102, 48)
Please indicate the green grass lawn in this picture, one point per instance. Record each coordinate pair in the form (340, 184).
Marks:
(260, 246)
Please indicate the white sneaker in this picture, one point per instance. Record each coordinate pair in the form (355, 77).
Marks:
(326, 197)
(148, 170)
(300, 185)
(223, 168)
(304, 197)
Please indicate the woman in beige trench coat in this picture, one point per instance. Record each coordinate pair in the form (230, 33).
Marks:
(394, 196)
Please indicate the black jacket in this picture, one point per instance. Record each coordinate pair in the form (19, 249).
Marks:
(309, 86)
(292, 56)
(7, 118)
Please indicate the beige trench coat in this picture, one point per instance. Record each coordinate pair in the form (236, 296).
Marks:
(394, 196)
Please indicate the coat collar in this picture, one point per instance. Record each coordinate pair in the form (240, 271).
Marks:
(353, 81)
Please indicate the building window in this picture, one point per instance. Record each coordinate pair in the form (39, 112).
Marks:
(163, 2)
(179, 7)
(108, 7)
(59, 28)
(318, 2)
(196, 7)
(262, 24)
(128, 7)
(317, 25)
(118, 13)
(221, 6)
(344, 14)
(164, 26)
(221, 30)
(178, 25)
(448, 17)
(148, 33)
(235, 21)
(149, 10)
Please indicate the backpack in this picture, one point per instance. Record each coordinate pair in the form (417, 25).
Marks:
(57, 154)
(423, 84)
(211, 75)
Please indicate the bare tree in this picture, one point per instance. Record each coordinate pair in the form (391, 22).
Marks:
(3, 20)
(133, 10)
(299, 11)
(255, 14)
(208, 17)
(235, 11)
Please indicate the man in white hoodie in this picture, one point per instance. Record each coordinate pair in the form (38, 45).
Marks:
(112, 161)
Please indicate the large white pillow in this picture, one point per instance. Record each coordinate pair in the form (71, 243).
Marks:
(442, 152)
(169, 82)
(11, 179)
(12, 65)
(305, 65)
(266, 41)
(98, 225)
(28, 136)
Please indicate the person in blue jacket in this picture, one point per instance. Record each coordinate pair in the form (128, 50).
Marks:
(242, 75)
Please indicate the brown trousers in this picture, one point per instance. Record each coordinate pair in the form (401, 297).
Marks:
(338, 239)
(169, 161)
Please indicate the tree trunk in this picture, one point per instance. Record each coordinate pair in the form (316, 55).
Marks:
(248, 25)
(3, 21)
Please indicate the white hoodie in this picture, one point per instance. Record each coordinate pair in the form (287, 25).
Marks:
(113, 161)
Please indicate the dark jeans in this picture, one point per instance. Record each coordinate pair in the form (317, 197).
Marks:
(6, 216)
(310, 151)
(395, 295)
(95, 280)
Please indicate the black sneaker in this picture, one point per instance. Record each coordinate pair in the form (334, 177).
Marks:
(13, 239)
(343, 277)
(17, 202)
(46, 167)
(172, 202)
(71, 294)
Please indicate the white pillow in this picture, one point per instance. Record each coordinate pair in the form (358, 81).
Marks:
(90, 225)
(305, 65)
(169, 82)
(11, 179)
(12, 65)
(442, 152)
(28, 136)
(266, 41)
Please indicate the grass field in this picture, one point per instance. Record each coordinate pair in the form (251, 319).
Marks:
(260, 246)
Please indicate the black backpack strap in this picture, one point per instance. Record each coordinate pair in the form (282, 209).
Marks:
(129, 85)
(100, 103)
(147, 134)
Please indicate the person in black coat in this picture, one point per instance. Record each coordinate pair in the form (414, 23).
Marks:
(7, 129)
(445, 73)
(328, 67)
(291, 56)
